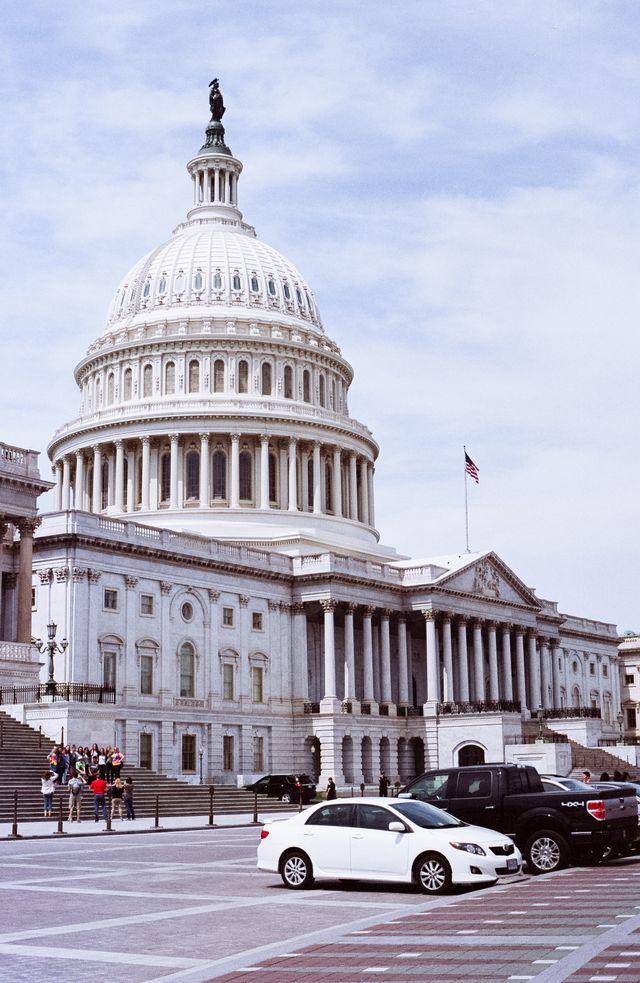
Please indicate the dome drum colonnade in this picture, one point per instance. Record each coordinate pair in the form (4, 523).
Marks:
(218, 334)
(468, 659)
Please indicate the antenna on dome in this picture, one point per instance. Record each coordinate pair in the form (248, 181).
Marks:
(215, 130)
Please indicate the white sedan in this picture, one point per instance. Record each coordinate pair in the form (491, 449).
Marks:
(371, 839)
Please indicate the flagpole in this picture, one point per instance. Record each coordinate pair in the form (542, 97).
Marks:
(466, 502)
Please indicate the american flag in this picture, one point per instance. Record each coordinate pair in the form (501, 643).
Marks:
(472, 470)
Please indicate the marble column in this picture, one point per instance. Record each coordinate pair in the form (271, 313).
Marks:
(235, 471)
(96, 491)
(463, 660)
(58, 491)
(521, 684)
(329, 651)
(337, 481)
(385, 658)
(403, 663)
(146, 473)
(478, 662)
(264, 472)
(79, 490)
(317, 484)
(353, 487)
(304, 479)
(299, 655)
(131, 480)
(447, 659)
(66, 483)
(545, 676)
(433, 690)
(507, 678)
(25, 565)
(372, 509)
(367, 653)
(494, 687)
(173, 492)
(119, 479)
(557, 659)
(349, 654)
(204, 494)
(364, 490)
(534, 671)
(293, 474)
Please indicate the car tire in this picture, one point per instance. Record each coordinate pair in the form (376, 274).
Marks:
(296, 870)
(546, 851)
(285, 797)
(432, 874)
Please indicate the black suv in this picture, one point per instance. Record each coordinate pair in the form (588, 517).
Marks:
(287, 788)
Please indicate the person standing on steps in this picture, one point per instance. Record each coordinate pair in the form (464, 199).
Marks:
(48, 787)
(99, 788)
(117, 761)
(127, 798)
(117, 794)
(75, 786)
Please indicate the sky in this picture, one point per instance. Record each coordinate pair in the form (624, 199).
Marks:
(458, 182)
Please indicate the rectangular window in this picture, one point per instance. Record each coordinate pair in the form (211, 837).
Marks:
(592, 669)
(258, 754)
(631, 719)
(110, 599)
(109, 670)
(145, 751)
(34, 599)
(227, 752)
(227, 681)
(188, 752)
(227, 617)
(256, 620)
(605, 670)
(629, 679)
(146, 675)
(257, 684)
(187, 673)
(146, 603)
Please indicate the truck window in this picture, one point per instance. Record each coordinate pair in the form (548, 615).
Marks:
(435, 785)
(517, 781)
(473, 784)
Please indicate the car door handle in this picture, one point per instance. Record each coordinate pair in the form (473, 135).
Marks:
(307, 833)
(357, 836)
(489, 807)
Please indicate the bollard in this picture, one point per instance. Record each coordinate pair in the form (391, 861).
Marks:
(361, 789)
(255, 808)
(108, 827)
(156, 824)
(14, 835)
(60, 830)
(211, 822)
(300, 802)
(352, 791)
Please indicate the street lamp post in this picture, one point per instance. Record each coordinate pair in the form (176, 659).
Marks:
(540, 716)
(201, 753)
(620, 723)
(51, 647)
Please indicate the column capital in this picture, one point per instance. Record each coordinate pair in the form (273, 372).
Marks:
(446, 616)
(368, 611)
(213, 595)
(27, 527)
(506, 625)
(298, 608)
(244, 600)
(519, 630)
(174, 437)
(146, 440)
(491, 625)
(204, 437)
(328, 604)
(385, 613)
(293, 441)
(96, 448)
(402, 618)
(118, 442)
(349, 607)
(265, 437)
(235, 437)
(428, 614)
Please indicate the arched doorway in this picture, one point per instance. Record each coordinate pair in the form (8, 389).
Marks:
(347, 759)
(417, 747)
(385, 756)
(312, 753)
(367, 760)
(470, 754)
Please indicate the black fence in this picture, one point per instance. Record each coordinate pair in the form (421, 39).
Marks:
(545, 739)
(57, 693)
(479, 706)
(569, 713)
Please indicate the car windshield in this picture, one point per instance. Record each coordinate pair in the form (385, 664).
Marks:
(425, 815)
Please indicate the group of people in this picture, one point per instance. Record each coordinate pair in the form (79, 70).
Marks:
(98, 769)
(618, 776)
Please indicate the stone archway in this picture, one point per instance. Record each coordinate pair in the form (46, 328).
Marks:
(385, 756)
(417, 756)
(312, 756)
(348, 764)
(367, 760)
(470, 754)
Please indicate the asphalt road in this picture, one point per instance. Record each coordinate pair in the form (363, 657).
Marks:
(190, 906)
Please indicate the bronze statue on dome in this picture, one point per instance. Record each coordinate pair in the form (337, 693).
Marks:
(216, 103)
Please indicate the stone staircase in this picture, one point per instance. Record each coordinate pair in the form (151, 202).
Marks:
(23, 760)
(593, 759)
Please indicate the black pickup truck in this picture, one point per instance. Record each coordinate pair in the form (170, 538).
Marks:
(551, 829)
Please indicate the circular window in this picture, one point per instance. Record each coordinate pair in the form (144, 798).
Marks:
(187, 611)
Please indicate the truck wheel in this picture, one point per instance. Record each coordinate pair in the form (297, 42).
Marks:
(546, 850)
(285, 797)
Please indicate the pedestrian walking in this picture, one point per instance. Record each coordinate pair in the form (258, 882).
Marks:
(383, 785)
(331, 789)
(117, 790)
(127, 798)
(99, 788)
(48, 787)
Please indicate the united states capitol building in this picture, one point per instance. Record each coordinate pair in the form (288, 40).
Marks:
(213, 558)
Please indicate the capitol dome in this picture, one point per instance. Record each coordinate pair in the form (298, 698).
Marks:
(213, 401)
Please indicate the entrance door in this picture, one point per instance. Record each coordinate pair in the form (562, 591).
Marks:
(470, 754)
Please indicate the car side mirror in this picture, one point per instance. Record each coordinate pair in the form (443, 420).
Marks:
(397, 827)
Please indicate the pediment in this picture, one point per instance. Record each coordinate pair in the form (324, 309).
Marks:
(488, 577)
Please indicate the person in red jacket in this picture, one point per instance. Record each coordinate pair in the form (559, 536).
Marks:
(99, 788)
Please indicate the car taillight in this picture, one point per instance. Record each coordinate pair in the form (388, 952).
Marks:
(298, 785)
(264, 833)
(596, 808)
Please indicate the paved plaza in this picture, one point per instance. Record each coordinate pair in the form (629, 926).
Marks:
(190, 906)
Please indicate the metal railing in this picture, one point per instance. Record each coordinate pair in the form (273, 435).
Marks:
(571, 713)
(544, 739)
(57, 693)
(479, 706)
(411, 711)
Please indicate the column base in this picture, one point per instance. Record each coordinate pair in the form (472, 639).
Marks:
(374, 709)
(388, 710)
(430, 708)
(331, 704)
(353, 703)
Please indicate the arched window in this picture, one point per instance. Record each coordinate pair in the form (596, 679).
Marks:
(255, 284)
(243, 376)
(146, 289)
(179, 283)
(266, 378)
(126, 384)
(322, 387)
(219, 475)
(245, 476)
(328, 486)
(165, 477)
(310, 482)
(271, 286)
(187, 656)
(286, 290)
(306, 386)
(193, 474)
(194, 376)
(162, 285)
(288, 382)
(147, 380)
(217, 281)
(236, 282)
(334, 405)
(170, 378)
(110, 388)
(273, 479)
(218, 376)
(299, 297)
(198, 281)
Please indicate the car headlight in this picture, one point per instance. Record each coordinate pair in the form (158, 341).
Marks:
(470, 848)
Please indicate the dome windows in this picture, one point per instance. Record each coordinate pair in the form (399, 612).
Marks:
(162, 285)
(271, 287)
(322, 390)
(299, 298)
(266, 378)
(192, 466)
(194, 376)
(147, 380)
(146, 290)
(127, 384)
(217, 280)
(287, 291)
(179, 283)
(288, 382)
(236, 282)
(218, 376)
(255, 284)
(170, 378)
(306, 386)
(219, 475)
(198, 281)
(245, 476)
(243, 376)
